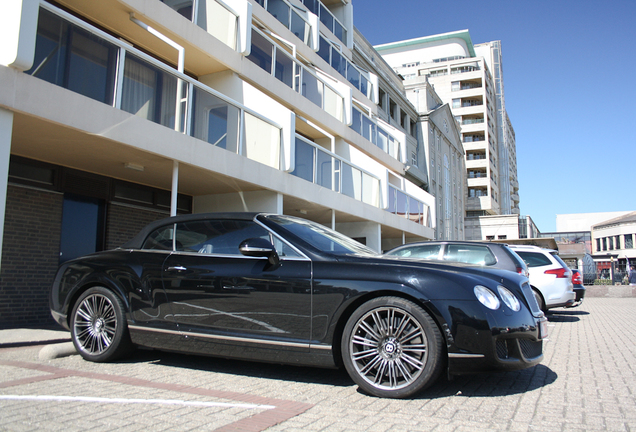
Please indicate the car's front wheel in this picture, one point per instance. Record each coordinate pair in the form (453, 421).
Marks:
(392, 348)
(98, 326)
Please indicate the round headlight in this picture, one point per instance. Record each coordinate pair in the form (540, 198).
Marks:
(486, 297)
(509, 298)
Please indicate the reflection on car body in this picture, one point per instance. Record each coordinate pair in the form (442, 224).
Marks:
(282, 289)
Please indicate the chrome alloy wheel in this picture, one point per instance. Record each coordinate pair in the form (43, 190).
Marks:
(388, 348)
(95, 324)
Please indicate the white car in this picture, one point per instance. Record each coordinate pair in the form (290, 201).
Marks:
(550, 277)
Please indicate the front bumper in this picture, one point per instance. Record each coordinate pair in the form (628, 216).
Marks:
(501, 341)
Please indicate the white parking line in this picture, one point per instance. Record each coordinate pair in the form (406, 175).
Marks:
(134, 401)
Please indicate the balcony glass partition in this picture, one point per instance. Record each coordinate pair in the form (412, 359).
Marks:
(211, 15)
(80, 58)
(317, 165)
(279, 63)
(357, 77)
(366, 127)
(407, 206)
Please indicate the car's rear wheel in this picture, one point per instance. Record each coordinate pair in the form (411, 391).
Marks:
(539, 298)
(392, 348)
(98, 326)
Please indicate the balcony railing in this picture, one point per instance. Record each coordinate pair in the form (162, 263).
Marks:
(213, 16)
(316, 165)
(408, 207)
(359, 78)
(276, 61)
(369, 129)
(83, 59)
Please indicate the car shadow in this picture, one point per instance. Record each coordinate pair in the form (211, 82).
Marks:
(565, 315)
(483, 385)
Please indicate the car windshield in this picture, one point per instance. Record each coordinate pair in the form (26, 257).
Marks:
(321, 237)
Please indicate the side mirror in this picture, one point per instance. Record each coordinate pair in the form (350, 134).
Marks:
(259, 248)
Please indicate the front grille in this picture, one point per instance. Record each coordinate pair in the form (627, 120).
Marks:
(502, 349)
(518, 349)
(531, 349)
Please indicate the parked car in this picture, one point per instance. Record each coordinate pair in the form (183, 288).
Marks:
(550, 277)
(282, 289)
(487, 254)
(579, 288)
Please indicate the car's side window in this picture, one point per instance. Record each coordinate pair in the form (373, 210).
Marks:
(471, 254)
(216, 236)
(534, 259)
(160, 239)
(423, 251)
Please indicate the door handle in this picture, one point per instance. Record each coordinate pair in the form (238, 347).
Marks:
(177, 268)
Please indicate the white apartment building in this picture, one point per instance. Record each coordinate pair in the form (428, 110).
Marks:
(469, 78)
(115, 113)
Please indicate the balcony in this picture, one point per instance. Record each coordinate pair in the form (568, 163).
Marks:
(279, 63)
(85, 60)
(299, 22)
(408, 207)
(369, 129)
(318, 166)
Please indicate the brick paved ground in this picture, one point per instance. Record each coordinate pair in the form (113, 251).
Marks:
(587, 382)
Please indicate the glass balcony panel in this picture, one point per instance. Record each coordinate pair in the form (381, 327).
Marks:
(338, 62)
(351, 181)
(365, 86)
(149, 92)
(324, 50)
(312, 5)
(280, 10)
(304, 161)
(262, 51)
(383, 139)
(392, 198)
(326, 18)
(323, 169)
(337, 168)
(356, 124)
(285, 67)
(262, 141)
(339, 31)
(75, 59)
(402, 204)
(370, 190)
(184, 7)
(334, 103)
(218, 21)
(215, 121)
(368, 129)
(312, 88)
(299, 27)
(415, 213)
(353, 76)
(260, 2)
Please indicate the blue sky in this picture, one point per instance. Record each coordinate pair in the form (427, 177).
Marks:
(570, 86)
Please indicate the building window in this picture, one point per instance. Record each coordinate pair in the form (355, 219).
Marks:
(629, 242)
(618, 242)
(604, 243)
(393, 110)
(611, 243)
(382, 97)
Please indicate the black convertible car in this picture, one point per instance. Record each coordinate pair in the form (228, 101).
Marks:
(282, 289)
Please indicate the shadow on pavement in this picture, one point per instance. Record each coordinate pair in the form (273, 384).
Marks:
(566, 315)
(483, 385)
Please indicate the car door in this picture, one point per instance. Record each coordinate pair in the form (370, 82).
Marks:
(226, 301)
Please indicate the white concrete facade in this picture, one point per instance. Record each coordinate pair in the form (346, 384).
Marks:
(463, 76)
(247, 73)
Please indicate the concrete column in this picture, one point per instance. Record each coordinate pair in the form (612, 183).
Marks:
(6, 130)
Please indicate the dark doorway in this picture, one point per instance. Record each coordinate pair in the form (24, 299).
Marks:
(82, 226)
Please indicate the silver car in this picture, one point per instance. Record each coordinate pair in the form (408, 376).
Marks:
(550, 277)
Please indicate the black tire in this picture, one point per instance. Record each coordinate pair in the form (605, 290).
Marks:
(539, 298)
(392, 348)
(98, 326)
